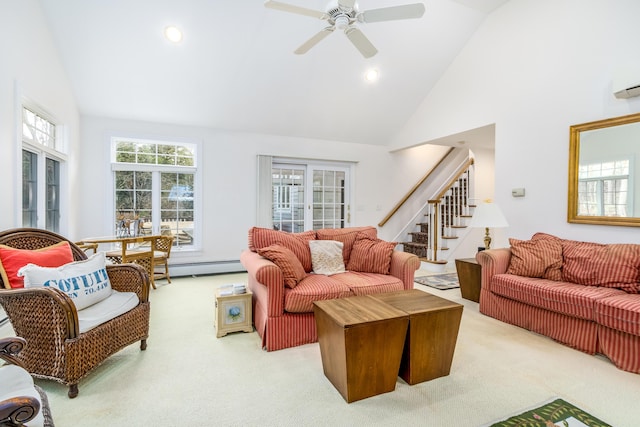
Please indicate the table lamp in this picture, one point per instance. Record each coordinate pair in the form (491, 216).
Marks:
(488, 215)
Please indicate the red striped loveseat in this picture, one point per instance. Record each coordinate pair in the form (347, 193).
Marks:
(582, 294)
(284, 288)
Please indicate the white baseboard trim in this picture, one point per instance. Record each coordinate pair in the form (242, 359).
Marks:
(203, 268)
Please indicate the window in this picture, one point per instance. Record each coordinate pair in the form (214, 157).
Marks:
(154, 185)
(321, 188)
(603, 189)
(43, 163)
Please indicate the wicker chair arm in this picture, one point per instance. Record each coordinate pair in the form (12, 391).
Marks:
(46, 311)
(129, 278)
(9, 347)
(18, 410)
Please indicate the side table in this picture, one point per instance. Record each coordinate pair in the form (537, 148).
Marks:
(233, 313)
(470, 277)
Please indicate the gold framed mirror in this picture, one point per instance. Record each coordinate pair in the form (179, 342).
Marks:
(604, 177)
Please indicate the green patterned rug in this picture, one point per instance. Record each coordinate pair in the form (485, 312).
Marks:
(556, 413)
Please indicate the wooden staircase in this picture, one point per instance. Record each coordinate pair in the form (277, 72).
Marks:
(445, 215)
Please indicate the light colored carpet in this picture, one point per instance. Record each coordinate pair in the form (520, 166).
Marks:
(188, 377)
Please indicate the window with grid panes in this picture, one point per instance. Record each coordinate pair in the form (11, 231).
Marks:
(154, 185)
(42, 162)
(603, 189)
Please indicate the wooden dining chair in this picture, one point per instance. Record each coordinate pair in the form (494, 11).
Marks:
(161, 253)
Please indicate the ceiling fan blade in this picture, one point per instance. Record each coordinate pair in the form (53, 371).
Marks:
(361, 42)
(285, 7)
(304, 48)
(407, 11)
(347, 4)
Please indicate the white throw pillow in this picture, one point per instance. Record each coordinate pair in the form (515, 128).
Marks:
(326, 257)
(85, 282)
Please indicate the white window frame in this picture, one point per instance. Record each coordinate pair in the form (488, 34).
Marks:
(44, 152)
(196, 170)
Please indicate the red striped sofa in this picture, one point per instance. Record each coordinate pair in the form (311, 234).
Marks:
(582, 294)
(283, 315)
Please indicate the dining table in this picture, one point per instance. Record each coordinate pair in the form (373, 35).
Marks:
(130, 249)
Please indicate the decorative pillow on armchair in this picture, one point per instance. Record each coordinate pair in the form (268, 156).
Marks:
(292, 269)
(371, 255)
(12, 260)
(536, 258)
(326, 257)
(85, 282)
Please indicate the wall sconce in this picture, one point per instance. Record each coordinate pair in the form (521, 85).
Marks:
(488, 215)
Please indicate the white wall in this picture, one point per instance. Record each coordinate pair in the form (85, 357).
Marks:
(534, 68)
(30, 68)
(229, 179)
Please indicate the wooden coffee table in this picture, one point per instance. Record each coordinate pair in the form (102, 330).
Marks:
(361, 341)
(433, 332)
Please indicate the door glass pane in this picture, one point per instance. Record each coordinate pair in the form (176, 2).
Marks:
(328, 199)
(288, 193)
(29, 189)
(53, 196)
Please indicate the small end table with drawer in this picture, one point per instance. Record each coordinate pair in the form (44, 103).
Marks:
(470, 278)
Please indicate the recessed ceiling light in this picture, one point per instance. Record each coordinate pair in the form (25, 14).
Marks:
(173, 34)
(371, 75)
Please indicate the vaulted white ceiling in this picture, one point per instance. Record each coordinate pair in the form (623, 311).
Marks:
(236, 69)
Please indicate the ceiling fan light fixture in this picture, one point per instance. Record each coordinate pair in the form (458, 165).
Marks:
(173, 34)
(342, 22)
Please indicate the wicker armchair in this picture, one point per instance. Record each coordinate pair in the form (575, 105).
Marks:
(48, 319)
(18, 408)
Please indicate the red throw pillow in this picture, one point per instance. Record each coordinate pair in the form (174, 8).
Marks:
(371, 255)
(298, 243)
(347, 236)
(292, 269)
(536, 258)
(12, 260)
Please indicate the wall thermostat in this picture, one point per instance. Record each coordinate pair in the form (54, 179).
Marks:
(517, 192)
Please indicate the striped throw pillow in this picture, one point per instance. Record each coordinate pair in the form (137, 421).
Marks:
(298, 243)
(536, 258)
(371, 255)
(291, 267)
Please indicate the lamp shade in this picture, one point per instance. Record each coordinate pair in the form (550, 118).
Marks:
(488, 215)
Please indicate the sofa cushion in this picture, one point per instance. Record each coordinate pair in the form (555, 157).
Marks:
(109, 308)
(562, 297)
(314, 287)
(536, 258)
(608, 265)
(12, 260)
(85, 282)
(620, 312)
(291, 267)
(326, 257)
(347, 236)
(298, 243)
(369, 283)
(371, 255)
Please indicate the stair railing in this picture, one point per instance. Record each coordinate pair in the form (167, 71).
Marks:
(446, 212)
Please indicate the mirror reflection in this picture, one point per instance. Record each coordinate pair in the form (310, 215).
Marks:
(603, 185)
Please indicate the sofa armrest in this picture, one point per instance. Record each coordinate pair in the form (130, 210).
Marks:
(404, 266)
(264, 277)
(493, 261)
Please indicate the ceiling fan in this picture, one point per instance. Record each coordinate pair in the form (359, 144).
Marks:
(344, 17)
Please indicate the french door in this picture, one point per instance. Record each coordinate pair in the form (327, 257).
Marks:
(310, 197)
